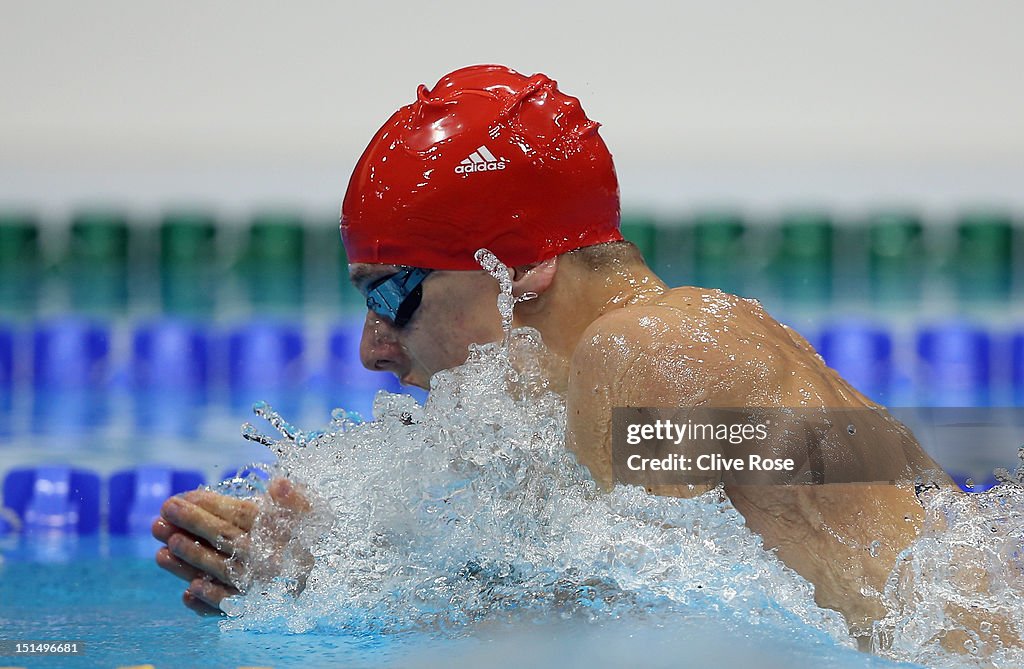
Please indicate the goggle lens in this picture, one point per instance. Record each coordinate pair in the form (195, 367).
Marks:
(397, 296)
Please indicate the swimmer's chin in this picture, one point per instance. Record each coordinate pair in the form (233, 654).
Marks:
(411, 380)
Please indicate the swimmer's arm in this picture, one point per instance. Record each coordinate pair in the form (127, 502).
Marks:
(618, 363)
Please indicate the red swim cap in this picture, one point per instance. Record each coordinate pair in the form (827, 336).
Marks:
(490, 159)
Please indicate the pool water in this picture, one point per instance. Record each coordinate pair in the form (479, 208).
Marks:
(128, 612)
(104, 592)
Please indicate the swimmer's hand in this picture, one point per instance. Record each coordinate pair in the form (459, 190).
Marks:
(208, 546)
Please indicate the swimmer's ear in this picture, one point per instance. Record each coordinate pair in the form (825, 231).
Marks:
(534, 278)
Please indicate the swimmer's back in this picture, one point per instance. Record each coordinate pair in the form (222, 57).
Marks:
(692, 346)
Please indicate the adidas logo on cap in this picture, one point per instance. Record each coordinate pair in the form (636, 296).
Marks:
(480, 160)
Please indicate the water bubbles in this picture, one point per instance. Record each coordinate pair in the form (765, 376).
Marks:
(250, 432)
(962, 562)
(288, 431)
(502, 274)
(249, 481)
(342, 419)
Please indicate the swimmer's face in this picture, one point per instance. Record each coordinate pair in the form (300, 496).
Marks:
(457, 309)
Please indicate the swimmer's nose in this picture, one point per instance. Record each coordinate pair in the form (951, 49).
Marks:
(379, 349)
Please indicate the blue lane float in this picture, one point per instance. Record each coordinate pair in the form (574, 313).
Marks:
(136, 495)
(54, 499)
(1017, 368)
(70, 354)
(6, 358)
(170, 375)
(955, 365)
(265, 362)
(861, 351)
(70, 374)
(171, 355)
(6, 374)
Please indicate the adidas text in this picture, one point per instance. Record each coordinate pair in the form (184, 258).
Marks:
(481, 160)
(479, 167)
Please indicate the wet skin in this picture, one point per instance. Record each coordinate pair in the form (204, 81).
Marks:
(691, 347)
(628, 340)
(458, 309)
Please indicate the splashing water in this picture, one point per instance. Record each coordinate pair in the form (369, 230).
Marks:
(960, 586)
(470, 506)
(506, 302)
(470, 509)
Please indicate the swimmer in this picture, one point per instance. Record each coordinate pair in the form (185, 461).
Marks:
(489, 158)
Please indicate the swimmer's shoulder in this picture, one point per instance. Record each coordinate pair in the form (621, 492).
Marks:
(708, 315)
(688, 316)
(735, 318)
(668, 345)
(712, 303)
(700, 342)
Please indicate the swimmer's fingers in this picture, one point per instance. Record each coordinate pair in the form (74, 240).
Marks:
(199, 606)
(209, 592)
(197, 520)
(285, 494)
(190, 574)
(239, 512)
(204, 558)
(167, 561)
(162, 530)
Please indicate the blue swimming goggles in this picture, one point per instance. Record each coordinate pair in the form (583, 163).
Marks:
(397, 296)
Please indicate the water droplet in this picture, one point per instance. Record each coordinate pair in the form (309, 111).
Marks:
(506, 303)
